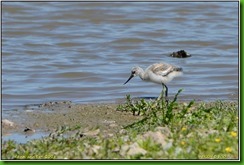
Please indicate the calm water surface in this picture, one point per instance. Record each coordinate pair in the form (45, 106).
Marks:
(84, 51)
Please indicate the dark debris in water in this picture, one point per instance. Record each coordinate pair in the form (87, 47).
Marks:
(49, 106)
(51, 103)
(180, 54)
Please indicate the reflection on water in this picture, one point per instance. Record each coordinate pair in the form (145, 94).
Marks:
(84, 51)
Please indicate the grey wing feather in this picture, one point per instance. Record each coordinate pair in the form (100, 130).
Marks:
(162, 69)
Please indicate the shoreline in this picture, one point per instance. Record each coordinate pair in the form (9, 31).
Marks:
(45, 118)
(109, 131)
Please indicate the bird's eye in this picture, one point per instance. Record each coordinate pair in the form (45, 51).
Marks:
(133, 72)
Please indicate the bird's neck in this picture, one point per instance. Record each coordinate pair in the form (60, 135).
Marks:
(142, 74)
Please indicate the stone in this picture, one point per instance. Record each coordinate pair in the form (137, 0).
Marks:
(132, 149)
(164, 130)
(92, 133)
(157, 137)
(7, 123)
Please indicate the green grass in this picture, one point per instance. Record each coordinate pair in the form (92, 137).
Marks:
(173, 130)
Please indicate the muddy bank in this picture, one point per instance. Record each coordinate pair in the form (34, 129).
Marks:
(47, 117)
(37, 121)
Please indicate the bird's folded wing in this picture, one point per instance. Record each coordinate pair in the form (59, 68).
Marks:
(162, 69)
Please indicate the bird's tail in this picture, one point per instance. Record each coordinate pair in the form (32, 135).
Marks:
(178, 69)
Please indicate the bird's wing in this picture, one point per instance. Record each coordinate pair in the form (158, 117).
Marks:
(162, 69)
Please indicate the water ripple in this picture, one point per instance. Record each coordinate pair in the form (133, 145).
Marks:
(84, 51)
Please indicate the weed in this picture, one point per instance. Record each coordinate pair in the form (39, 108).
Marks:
(156, 113)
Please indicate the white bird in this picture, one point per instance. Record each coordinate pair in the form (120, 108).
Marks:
(160, 73)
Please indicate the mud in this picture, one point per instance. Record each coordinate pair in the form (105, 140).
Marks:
(47, 117)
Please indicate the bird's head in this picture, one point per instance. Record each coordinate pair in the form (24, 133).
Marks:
(134, 72)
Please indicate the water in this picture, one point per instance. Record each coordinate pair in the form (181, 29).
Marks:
(84, 51)
(24, 138)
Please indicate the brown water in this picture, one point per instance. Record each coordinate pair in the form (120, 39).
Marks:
(84, 51)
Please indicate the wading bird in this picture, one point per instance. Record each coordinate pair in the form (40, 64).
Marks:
(160, 73)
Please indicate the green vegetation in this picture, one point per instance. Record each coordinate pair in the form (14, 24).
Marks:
(170, 130)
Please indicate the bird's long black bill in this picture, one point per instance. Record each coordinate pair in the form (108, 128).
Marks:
(129, 79)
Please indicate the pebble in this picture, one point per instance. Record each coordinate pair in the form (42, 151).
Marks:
(7, 123)
(132, 149)
(113, 125)
(122, 131)
(92, 133)
(157, 137)
(165, 130)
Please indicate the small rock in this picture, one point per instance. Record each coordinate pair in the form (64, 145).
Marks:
(157, 137)
(96, 149)
(92, 133)
(206, 132)
(108, 121)
(132, 149)
(168, 145)
(110, 135)
(116, 149)
(164, 130)
(7, 123)
(29, 130)
(126, 138)
(122, 131)
(178, 150)
(113, 125)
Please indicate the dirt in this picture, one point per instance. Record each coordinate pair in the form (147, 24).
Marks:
(47, 117)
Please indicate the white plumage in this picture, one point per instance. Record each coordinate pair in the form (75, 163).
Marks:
(160, 73)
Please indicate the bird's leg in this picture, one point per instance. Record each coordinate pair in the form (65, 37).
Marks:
(166, 92)
(161, 95)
